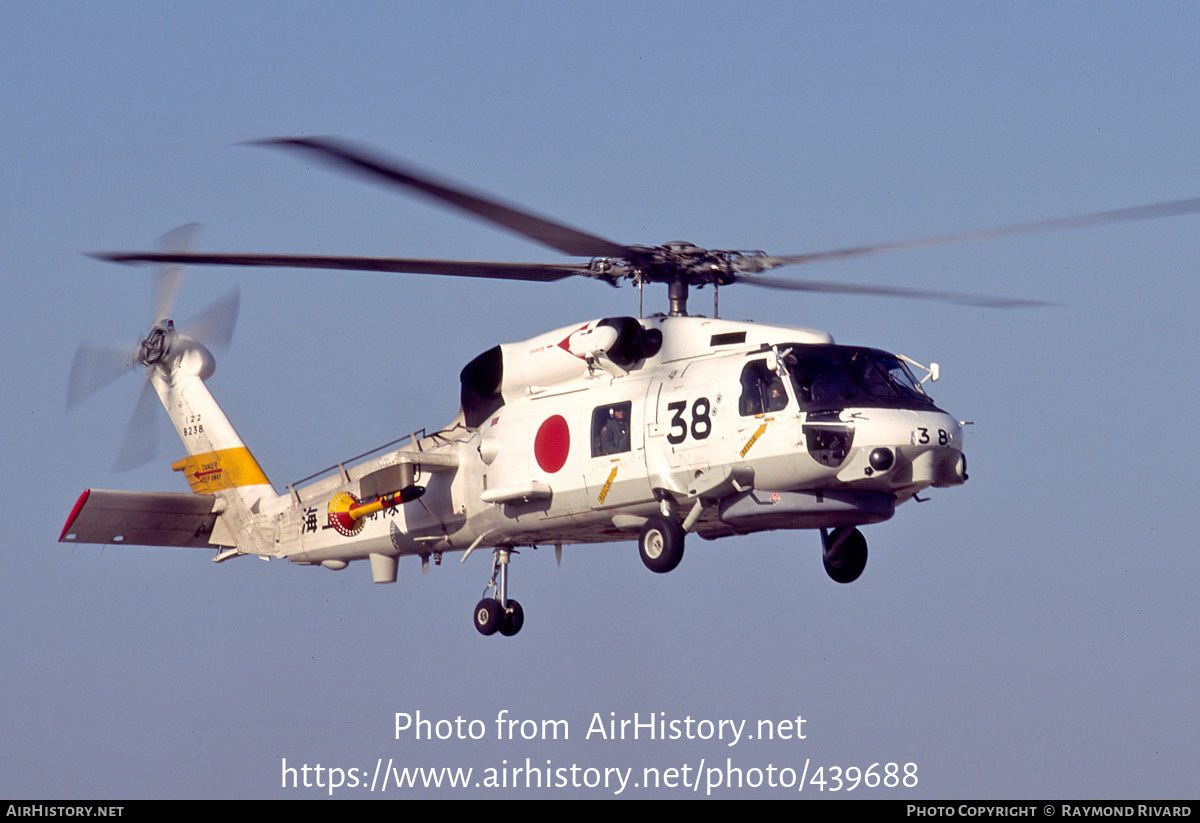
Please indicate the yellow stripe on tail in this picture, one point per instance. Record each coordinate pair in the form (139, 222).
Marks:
(222, 469)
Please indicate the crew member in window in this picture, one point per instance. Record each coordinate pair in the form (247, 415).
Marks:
(614, 435)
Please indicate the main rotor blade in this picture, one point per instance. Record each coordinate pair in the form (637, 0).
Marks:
(540, 272)
(890, 291)
(1172, 208)
(548, 232)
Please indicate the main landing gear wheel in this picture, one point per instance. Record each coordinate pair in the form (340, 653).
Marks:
(491, 617)
(512, 620)
(845, 554)
(488, 615)
(500, 613)
(661, 544)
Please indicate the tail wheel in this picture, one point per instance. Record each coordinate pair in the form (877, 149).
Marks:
(661, 544)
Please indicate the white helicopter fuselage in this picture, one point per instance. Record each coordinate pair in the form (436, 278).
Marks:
(525, 465)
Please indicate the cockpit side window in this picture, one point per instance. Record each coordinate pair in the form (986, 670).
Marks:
(610, 429)
(762, 390)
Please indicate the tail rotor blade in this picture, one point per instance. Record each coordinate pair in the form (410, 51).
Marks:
(170, 276)
(214, 325)
(141, 438)
(94, 368)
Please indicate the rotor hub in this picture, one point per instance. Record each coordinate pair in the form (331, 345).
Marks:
(677, 261)
(156, 345)
(680, 265)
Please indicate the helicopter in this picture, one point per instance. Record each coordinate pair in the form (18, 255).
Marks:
(647, 428)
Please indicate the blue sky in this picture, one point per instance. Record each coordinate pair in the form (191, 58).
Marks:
(1030, 634)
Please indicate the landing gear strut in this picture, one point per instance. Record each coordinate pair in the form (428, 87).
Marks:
(845, 553)
(499, 613)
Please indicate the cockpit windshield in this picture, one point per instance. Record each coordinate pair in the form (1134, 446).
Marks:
(827, 378)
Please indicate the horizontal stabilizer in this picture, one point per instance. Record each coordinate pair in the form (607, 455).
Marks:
(142, 519)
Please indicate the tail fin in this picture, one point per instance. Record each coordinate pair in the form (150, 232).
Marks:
(218, 462)
(217, 458)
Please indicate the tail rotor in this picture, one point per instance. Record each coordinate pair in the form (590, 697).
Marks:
(95, 367)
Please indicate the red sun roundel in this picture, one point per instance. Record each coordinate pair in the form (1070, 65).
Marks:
(552, 443)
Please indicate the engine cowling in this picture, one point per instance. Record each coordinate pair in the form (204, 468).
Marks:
(513, 370)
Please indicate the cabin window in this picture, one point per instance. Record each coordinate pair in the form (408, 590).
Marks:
(762, 390)
(610, 428)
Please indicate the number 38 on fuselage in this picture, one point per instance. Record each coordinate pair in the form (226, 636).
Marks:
(673, 424)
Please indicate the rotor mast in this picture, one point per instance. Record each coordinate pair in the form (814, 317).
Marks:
(680, 265)
(677, 295)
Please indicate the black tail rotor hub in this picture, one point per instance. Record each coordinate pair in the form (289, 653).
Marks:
(156, 345)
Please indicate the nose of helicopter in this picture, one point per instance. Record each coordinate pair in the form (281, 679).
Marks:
(900, 449)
